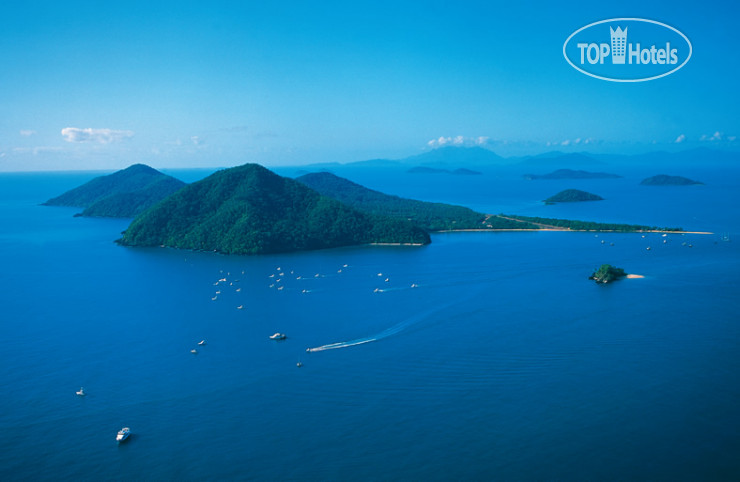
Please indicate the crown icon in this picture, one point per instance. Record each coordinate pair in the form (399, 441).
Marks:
(619, 44)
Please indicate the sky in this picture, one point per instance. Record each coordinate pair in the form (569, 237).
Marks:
(104, 85)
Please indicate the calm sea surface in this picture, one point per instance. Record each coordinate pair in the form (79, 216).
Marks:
(483, 356)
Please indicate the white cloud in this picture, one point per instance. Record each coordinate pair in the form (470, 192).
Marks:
(458, 141)
(717, 136)
(197, 141)
(101, 136)
(572, 142)
(680, 139)
(27, 132)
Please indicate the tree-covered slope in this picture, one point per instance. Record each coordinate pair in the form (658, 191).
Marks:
(124, 193)
(250, 210)
(430, 216)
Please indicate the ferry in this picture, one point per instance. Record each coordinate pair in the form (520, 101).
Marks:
(123, 434)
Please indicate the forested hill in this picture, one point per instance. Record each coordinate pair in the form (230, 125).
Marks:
(250, 210)
(124, 193)
(428, 215)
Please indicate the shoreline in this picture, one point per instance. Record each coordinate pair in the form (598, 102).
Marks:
(394, 244)
(568, 230)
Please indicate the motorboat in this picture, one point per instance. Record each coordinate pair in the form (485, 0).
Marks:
(194, 351)
(81, 392)
(123, 434)
(278, 336)
(202, 342)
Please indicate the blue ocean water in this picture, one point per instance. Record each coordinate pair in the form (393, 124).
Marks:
(483, 356)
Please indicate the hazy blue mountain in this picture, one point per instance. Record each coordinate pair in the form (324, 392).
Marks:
(558, 160)
(455, 156)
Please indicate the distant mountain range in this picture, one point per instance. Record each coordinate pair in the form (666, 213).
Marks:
(123, 194)
(478, 158)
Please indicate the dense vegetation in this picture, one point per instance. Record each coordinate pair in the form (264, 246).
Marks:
(571, 174)
(427, 215)
(124, 193)
(589, 225)
(250, 210)
(607, 273)
(665, 180)
(573, 195)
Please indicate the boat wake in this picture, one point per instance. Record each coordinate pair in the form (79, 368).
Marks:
(397, 328)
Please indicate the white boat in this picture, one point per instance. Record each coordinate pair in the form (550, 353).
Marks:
(278, 336)
(202, 342)
(123, 434)
(81, 392)
(193, 351)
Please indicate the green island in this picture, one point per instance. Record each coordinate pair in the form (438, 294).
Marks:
(571, 174)
(666, 180)
(607, 273)
(571, 196)
(123, 194)
(251, 210)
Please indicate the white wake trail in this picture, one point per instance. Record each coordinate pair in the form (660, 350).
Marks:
(393, 330)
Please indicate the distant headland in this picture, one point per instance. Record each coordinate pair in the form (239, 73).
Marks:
(123, 194)
(666, 180)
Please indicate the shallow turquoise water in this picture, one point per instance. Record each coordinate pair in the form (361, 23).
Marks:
(504, 363)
